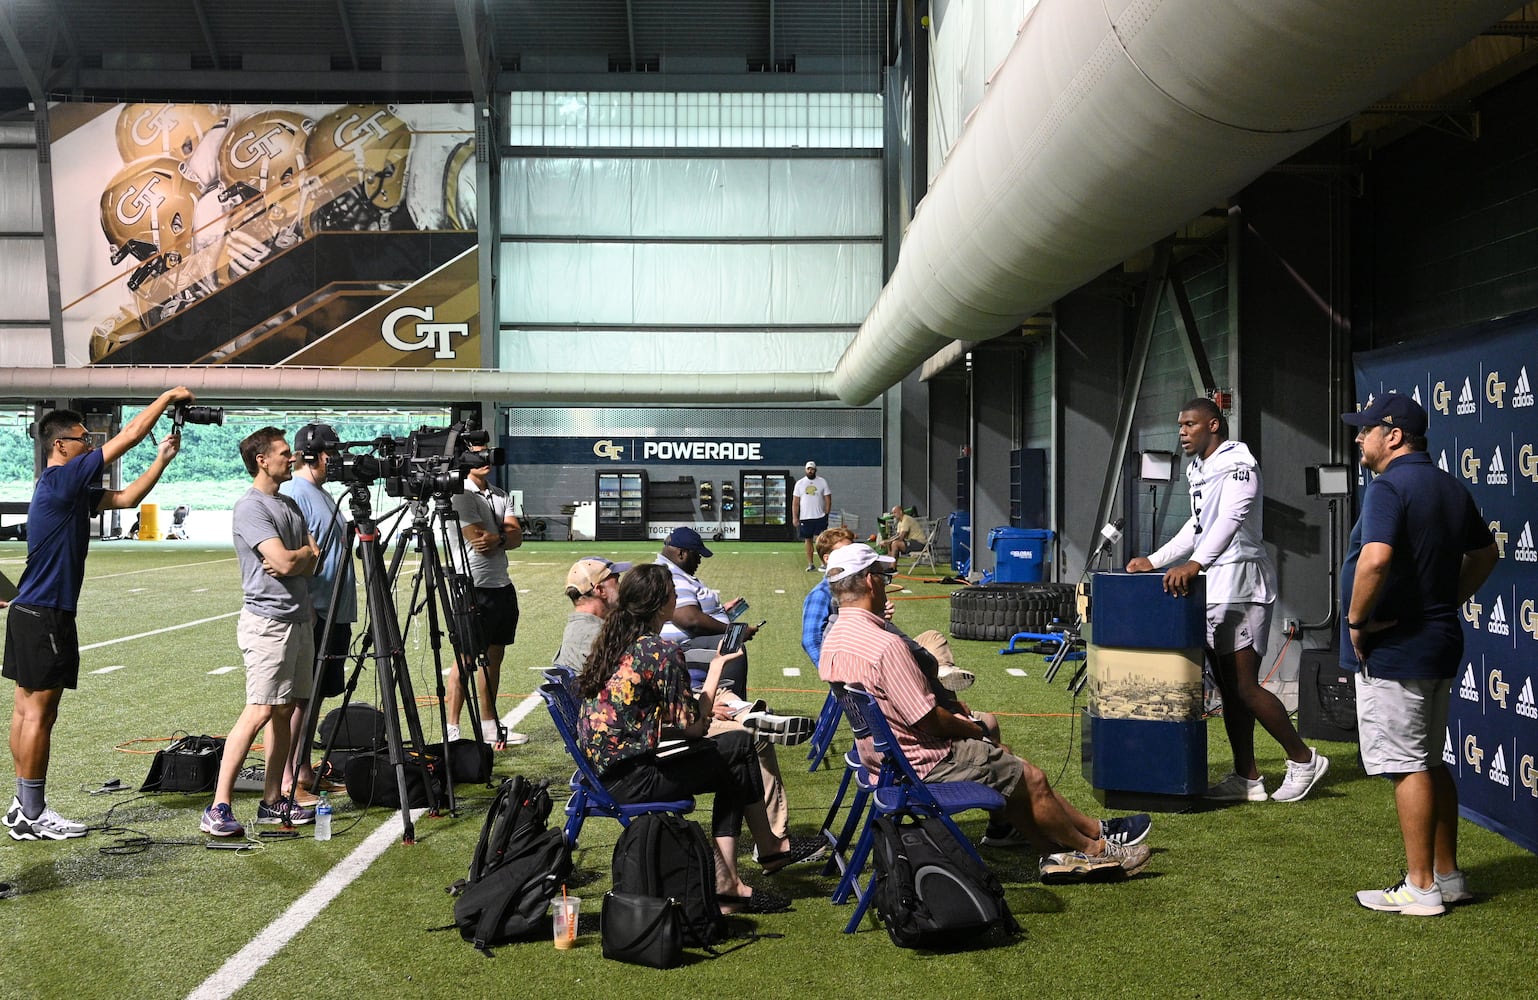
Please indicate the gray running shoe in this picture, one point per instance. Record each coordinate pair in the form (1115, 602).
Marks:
(1404, 898)
(1454, 886)
(1236, 789)
(48, 825)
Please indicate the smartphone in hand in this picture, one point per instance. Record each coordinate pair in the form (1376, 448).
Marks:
(737, 610)
(736, 635)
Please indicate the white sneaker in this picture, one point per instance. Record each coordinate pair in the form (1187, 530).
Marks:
(1454, 886)
(1236, 789)
(955, 678)
(1404, 898)
(450, 732)
(49, 825)
(1301, 778)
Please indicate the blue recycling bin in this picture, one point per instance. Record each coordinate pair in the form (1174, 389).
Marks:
(1019, 554)
(961, 541)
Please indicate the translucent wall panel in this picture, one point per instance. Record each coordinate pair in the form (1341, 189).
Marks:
(23, 280)
(700, 120)
(20, 204)
(26, 347)
(706, 198)
(694, 284)
(598, 350)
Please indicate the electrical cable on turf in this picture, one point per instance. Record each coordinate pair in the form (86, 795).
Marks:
(140, 841)
(1073, 718)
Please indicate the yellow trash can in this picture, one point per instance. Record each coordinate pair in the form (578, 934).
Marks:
(149, 522)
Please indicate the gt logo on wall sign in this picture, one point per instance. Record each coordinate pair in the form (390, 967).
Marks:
(1527, 462)
(1469, 466)
(428, 335)
(608, 449)
(1473, 753)
(1499, 689)
(1528, 775)
(1440, 397)
(1500, 539)
(1495, 389)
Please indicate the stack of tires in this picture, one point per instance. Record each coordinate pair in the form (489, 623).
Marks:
(994, 612)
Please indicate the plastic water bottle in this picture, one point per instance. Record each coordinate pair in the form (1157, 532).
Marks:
(323, 817)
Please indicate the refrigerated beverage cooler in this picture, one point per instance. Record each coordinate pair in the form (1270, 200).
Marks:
(621, 506)
(764, 502)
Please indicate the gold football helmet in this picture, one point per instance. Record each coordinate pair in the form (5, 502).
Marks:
(165, 129)
(115, 331)
(146, 213)
(262, 168)
(358, 157)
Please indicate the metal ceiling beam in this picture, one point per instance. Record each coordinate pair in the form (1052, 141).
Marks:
(474, 35)
(347, 38)
(208, 32)
(630, 33)
(19, 56)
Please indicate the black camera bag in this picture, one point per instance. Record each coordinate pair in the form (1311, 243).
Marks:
(188, 764)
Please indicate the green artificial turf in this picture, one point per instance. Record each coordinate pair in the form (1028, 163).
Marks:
(1251, 900)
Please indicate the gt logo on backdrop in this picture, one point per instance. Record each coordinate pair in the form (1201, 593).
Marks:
(1528, 619)
(1500, 539)
(608, 449)
(1497, 687)
(1468, 465)
(144, 199)
(1471, 610)
(1440, 398)
(1527, 462)
(1527, 775)
(1473, 753)
(1495, 389)
(429, 335)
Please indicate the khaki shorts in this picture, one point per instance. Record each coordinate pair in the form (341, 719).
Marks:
(1232, 627)
(980, 761)
(280, 659)
(1401, 724)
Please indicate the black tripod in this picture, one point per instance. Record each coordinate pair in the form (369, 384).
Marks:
(385, 637)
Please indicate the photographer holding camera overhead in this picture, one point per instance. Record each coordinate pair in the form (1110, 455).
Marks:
(42, 647)
(490, 529)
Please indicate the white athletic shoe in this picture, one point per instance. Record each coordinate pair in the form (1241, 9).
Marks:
(49, 825)
(1301, 778)
(1236, 789)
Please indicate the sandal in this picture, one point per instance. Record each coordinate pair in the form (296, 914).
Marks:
(761, 901)
(801, 849)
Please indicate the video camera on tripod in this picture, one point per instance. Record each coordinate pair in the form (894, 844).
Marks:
(428, 462)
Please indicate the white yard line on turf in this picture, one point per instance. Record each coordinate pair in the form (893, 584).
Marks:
(168, 628)
(243, 966)
(157, 569)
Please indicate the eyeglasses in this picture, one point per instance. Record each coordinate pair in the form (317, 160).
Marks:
(84, 439)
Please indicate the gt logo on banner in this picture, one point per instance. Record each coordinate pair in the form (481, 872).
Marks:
(1495, 389)
(429, 335)
(608, 449)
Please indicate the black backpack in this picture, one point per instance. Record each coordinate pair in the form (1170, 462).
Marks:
(518, 866)
(669, 857)
(930, 892)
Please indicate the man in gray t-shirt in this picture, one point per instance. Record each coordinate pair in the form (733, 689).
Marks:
(490, 530)
(276, 554)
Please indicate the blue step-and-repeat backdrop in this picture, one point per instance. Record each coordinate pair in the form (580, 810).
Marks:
(1478, 394)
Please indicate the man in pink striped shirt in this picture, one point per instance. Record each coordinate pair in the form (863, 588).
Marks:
(943, 746)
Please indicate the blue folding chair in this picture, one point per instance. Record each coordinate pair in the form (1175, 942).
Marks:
(898, 790)
(822, 734)
(589, 797)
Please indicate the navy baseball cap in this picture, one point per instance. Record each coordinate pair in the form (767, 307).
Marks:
(315, 438)
(687, 539)
(1391, 410)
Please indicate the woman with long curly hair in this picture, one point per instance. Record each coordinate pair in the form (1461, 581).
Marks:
(635, 694)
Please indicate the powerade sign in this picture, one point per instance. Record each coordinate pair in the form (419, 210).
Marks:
(1483, 430)
(677, 450)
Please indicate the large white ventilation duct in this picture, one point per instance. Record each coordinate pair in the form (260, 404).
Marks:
(1110, 124)
(389, 385)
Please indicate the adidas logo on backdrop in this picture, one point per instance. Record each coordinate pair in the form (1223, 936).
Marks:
(1468, 688)
(1442, 460)
(1466, 404)
(1497, 624)
(1496, 474)
(1498, 768)
(1415, 394)
(1522, 395)
(1525, 551)
(1448, 757)
(1526, 707)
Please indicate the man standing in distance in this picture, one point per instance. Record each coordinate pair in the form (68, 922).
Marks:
(277, 555)
(1224, 538)
(490, 531)
(1418, 550)
(314, 446)
(810, 501)
(42, 647)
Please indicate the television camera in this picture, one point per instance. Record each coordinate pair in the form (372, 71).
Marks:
(428, 462)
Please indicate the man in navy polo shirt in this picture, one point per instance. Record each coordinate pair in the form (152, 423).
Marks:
(42, 648)
(1419, 549)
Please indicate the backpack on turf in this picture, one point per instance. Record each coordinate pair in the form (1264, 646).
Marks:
(669, 857)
